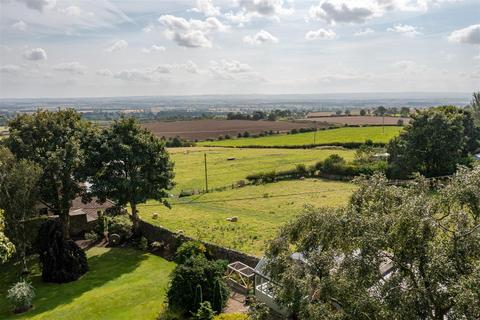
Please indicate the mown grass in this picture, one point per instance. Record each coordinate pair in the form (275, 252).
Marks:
(121, 284)
(261, 211)
(189, 163)
(340, 135)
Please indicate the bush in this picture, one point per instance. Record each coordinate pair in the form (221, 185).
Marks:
(121, 225)
(205, 312)
(21, 296)
(61, 260)
(197, 271)
(231, 316)
(333, 163)
(189, 249)
(92, 235)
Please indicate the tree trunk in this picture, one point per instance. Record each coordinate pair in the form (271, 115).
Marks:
(133, 205)
(65, 218)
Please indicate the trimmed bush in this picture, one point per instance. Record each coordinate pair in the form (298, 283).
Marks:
(61, 260)
(189, 249)
(204, 312)
(121, 225)
(195, 272)
(21, 296)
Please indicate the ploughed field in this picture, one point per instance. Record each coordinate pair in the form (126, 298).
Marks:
(212, 129)
(359, 120)
(122, 284)
(261, 211)
(323, 137)
(226, 166)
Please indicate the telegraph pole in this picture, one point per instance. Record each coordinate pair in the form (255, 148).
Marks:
(206, 176)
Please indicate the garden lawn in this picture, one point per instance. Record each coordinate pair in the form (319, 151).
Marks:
(122, 283)
(189, 163)
(261, 211)
(323, 137)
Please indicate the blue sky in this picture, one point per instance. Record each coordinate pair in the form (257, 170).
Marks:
(68, 48)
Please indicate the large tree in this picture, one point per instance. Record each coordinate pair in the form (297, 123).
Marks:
(130, 166)
(55, 142)
(475, 107)
(18, 198)
(434, 143)
(393, 253)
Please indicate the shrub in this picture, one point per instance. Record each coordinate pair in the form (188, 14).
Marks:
(189, 249)
(92, 235)
(231, 316)
(332, 164)
(21, 296)
(196, 271)
(61, 260)
(205, 312)
(121, 225)
(143, 244)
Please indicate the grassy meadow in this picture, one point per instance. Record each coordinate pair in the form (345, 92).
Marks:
(189, 163)
(340, 135)
(121, 284)
(261, 211)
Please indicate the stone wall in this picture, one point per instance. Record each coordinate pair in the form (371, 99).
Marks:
(171, 241)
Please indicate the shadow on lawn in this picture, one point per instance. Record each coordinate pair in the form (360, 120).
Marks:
(103, 268)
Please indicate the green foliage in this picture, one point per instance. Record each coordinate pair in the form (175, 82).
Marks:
(393, 253)
(121, 225)
(92, 235)
(130, 165)
(7, 249)
(333, 163)
(21, 296)
(196, 272)
(55, 141)
(204, 312)
(474, 106)
(189, 249)
(434, 143)
(61, 260)
(18, 199)
(231, 316)
(259, 311)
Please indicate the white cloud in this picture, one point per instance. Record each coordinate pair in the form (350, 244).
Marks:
(133, 75)
(260, 37)
(10, 69)
(117, 45)
(72, 11)
(248, 9)
(469, 35)
(73, 67)
(323, 34)
(39, 5)
(35, 54)
(149, 28)
(229, 69)
(191, 33)
(153, 48)
(104, 73)
(207, 8)
(164, 68)
(347, 11)
(19, 25)
(406, 30)
(363, 32)
(191, 67)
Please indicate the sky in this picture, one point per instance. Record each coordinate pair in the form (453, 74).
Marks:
(95, 48)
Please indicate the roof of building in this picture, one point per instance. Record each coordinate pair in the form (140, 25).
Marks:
(90, 209)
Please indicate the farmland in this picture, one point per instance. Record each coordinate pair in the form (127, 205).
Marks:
(261, 211)
(324, 137)
(189, 163)
(360, 120)
(121, 284)
(212, 129)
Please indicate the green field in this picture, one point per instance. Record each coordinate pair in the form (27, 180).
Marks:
(261, 211)
(341, 135)
(189, 163)
(121, 284)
